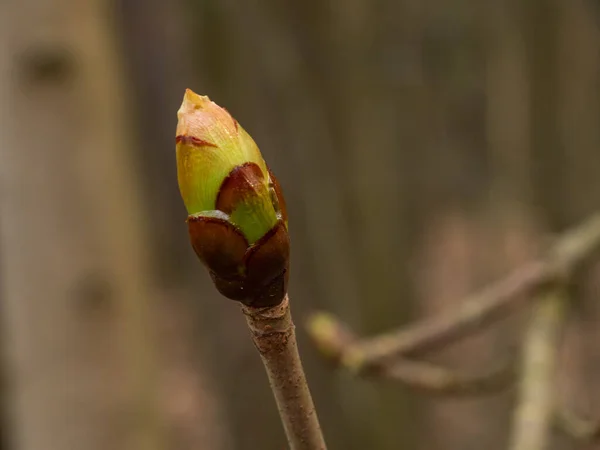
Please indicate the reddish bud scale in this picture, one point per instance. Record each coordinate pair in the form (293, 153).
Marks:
(255, 275)
(242, 183)
(191, 140)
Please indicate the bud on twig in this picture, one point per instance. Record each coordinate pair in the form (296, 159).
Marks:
(238, 227)
(237, 218)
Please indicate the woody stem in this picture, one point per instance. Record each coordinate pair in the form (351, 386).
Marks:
(273, 334)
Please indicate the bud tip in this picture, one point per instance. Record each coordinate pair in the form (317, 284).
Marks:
(191, 99)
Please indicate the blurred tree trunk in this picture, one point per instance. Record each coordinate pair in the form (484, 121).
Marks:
(578, 114)
(76, 309)
(162, 67)
(564, 56)
(475, 180)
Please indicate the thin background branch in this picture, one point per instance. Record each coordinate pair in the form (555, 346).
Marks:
(332, 337)
(536, 403)
(482, 308)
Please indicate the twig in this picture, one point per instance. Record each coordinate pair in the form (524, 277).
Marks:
(577, 427)
(434, 379)
(332, 337)
(534, 412)
(482, 308)
(273, 334)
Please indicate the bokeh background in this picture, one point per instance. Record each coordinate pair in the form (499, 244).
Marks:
(425, 147)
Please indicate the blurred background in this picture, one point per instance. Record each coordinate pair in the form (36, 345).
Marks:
(425, 147)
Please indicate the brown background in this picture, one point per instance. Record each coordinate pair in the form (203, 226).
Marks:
(424, 147)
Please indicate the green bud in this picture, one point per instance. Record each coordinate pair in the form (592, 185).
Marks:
(237, 216)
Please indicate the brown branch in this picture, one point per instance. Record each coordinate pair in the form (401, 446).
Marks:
(332, 337)
(274, 337)
(482, 308)
(577, 427)
(534, 411)
(434, 379)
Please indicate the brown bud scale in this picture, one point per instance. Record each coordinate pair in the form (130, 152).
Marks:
(259, 277)
(242, 181)
(218, 244)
